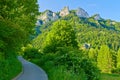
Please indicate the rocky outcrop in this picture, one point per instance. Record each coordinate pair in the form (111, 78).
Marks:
(97, 17)
(55, 16)
(65, 11)
(81, 13)
(39, 22)
(48, 16)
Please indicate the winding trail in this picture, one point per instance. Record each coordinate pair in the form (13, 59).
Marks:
(31, 71)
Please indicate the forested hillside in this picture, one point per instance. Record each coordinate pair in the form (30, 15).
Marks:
(68, 45)
(96, 40)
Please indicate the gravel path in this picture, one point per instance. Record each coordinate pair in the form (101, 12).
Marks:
(31, 71)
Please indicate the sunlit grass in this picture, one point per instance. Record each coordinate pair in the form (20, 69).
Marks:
(59, 73)
(105, 76)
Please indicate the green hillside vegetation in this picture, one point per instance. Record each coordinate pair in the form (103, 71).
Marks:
(16, 24)
(69, 48)
(105, 76)
(97, 49)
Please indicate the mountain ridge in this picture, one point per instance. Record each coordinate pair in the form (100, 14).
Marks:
(49, 15)
(46, 18)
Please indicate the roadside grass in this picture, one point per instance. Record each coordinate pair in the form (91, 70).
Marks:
(10, 68)
(59, 72)
(105, 76)
(66, 64)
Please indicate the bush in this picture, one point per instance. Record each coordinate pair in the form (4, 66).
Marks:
(62, 34)
(61, 73)
(31, 53)
(74, 60)
(116, 70)
(91, 71)
(9, 68)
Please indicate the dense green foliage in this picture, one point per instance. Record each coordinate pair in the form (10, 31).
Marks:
(10, 68)
(105, 76)
(30, 52)
(55, 39)
(17, 20)
(69, 60)
(118, 59)
(99, 41)
(104, 62)
(11, 37)
(61, 34)
(68, 48)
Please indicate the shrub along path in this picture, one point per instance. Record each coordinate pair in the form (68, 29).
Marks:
(31, 71)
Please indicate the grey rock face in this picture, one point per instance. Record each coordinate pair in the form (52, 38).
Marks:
(55, 16)
(65, 11)
(81, 13)
(48, 16)
(51, 16)
(97, 17)
(39, 22)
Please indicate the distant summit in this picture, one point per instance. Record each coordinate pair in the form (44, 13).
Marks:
(82, 13)
(65, 11)
(79, 12)
(49, 15)
(97, 17)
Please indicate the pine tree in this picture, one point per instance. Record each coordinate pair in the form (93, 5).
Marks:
(92, 54)
(118, 59)
(104, 59)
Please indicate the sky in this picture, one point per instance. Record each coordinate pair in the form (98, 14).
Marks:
(108, 9)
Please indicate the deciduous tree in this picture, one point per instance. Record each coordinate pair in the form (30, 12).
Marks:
(62, 34)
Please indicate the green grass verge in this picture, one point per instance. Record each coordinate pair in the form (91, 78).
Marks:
(60, 72)
(105, 76)
(10, 68)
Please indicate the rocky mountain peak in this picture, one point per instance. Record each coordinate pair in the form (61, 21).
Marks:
(81, 13)
(97, 17)
(48, 16)
(65, 11)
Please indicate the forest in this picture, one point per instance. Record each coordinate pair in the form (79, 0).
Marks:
(68, 48)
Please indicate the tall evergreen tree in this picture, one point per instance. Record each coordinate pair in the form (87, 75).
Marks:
(118, 59)
(104, 59)
(92, 54)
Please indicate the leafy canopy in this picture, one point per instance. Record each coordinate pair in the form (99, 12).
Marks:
(62, 34)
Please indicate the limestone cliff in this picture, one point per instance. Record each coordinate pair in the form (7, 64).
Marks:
(81, 13)
(65, 11)
(97, 17)
(48, 16)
